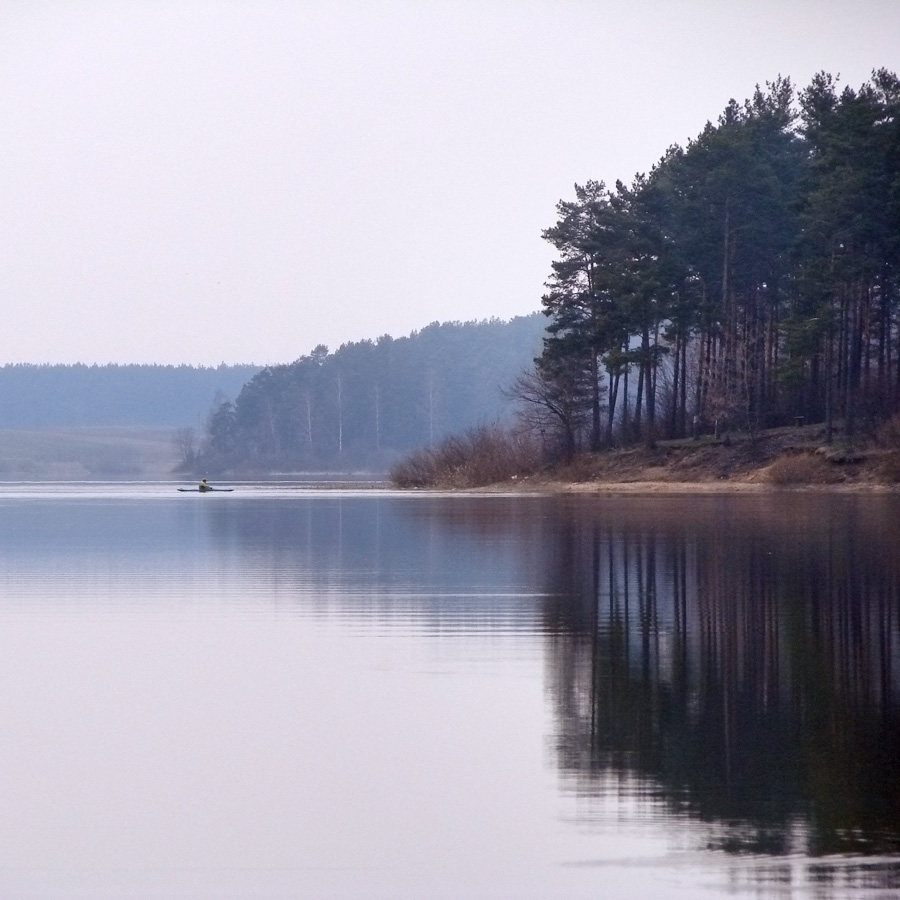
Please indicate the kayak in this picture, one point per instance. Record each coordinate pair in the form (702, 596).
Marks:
(204, 491)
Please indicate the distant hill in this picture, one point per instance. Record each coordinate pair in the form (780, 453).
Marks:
(88, 452)
(52, 396)
(369, 401)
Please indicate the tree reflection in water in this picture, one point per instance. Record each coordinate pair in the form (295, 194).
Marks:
(740, 658)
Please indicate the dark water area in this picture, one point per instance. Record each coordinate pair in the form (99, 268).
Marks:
(295, 693)
(740, 659)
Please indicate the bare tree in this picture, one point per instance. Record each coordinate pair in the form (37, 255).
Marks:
(185, 442)
(550, 404)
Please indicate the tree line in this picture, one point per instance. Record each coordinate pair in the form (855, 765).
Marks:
(369, 401)
(44, 396)
(749, 280)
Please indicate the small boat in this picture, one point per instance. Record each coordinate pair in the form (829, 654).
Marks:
(205, 490)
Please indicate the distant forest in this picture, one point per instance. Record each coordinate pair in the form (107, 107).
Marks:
(44, 396)
(751, 279)
(366, 402)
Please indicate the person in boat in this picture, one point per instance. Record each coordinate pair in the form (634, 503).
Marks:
(204, 486)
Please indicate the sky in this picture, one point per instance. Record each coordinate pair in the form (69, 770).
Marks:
(208, 181)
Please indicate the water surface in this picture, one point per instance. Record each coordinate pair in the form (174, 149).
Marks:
(337, 694)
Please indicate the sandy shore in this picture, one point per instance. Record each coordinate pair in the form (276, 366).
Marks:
(538, 486)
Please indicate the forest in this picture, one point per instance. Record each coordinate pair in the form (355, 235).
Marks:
(51, 396)
(749, 280)
(369, 401)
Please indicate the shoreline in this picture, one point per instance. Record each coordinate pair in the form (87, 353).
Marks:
(683, 487)
(780, 459)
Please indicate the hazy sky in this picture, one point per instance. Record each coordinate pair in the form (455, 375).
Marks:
(217, 180)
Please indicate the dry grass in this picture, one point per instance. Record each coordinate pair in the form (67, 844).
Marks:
(801, 468)
(888, 467)
(582, 467)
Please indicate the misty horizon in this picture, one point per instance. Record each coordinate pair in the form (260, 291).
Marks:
(97, 364)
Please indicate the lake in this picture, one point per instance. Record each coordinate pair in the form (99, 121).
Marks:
(286, 693)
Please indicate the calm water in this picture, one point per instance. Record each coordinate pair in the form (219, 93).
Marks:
(297, 694)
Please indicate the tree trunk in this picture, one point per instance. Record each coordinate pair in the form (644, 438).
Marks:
(611, 412)
(595, 402)
(650, 380)
(676, 375)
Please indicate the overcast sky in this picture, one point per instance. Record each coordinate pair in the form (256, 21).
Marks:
(216, 180)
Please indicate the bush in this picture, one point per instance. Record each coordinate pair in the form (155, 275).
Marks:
(888, 434)
(802, 468)
(487, 454)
